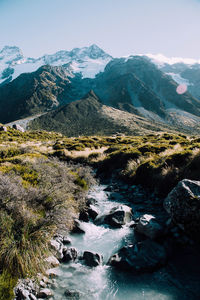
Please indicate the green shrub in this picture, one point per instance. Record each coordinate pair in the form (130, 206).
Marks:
(178, 159)
(7, 284)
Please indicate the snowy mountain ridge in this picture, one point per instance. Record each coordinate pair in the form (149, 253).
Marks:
(87, 60)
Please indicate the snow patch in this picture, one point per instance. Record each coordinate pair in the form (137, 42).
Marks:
(180, 80)
(88, 61)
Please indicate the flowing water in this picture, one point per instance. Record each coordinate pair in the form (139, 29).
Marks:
(104, 282)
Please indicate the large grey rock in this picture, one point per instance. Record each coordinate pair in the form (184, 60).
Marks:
(66, 240)
(69, 254)
(72, 294)
(25, 289)
(93, 212)
(84, 216)
(53, 273)
(117, 217)
(183, 205)
(92, 259)
(45, 293)
(149, 227)
(145, 256)
(3, 128)
(77, 227)
(52, 260)
(57, 246)
(18, 127)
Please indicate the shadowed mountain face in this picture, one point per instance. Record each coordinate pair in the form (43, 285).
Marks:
(90, 117)
(135, 85)
(187, 74)
(140, 83)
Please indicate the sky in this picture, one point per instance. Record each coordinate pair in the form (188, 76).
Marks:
(120, 27)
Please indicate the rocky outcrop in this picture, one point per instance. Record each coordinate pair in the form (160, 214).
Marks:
(45, 293)
(183, 205)
(149, 227)
(72, 294)
(84, 216)
(69, 254)
(53, 261)
(3, 128)
(26, 289)
(92, 259)
(77, 227)
(145, 256)
(18, 127)
(57, 247)
(117, 217)
(93, 212)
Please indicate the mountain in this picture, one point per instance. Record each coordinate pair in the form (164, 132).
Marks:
(138, 83)
(135, 85)
(33, 93)
(87, 61)
(183, 71)
(89, 116)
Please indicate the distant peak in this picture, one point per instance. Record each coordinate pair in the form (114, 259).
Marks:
(10, 49)
(95, 51)
(95, 47)
(91, 94)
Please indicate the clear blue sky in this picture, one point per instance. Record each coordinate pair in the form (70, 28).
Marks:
(120, 27)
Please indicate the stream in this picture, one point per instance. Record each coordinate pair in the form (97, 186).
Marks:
(173, 282)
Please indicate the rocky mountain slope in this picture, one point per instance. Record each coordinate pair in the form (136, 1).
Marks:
(183, 71)
(134, 84)
(89, 116)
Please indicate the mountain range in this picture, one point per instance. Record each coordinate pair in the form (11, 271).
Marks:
(138, 85)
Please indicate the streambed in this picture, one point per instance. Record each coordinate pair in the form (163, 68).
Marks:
(178, 280)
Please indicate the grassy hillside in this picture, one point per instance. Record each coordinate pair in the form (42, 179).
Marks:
(90, 117)
(157, 161)
(39, 196)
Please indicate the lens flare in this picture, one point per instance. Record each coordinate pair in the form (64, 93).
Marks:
(181, 89)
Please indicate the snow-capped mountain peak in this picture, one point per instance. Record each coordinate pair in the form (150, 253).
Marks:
(87, 60)
(10, 55)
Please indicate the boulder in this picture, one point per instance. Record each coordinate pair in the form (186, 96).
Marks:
(93, 212)
(92, 201)
(52, 273)
(92, 259)
(25, 289)
(117, 217)
(72, 294)
(59, 238)
(149, 227)
(57, 246)
(45, 293)
(145, 256)
(183, 205)
(32, 297)
(3, 128)
(77, 227)
(18, 127)
(69, 254)
(84, 216)
(52, 260)
(66, 240)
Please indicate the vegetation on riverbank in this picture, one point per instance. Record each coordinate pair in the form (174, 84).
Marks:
(157, 161)
(39, 196)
